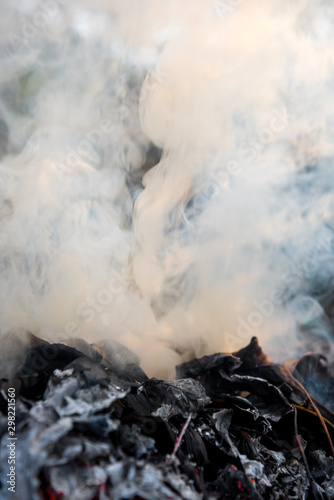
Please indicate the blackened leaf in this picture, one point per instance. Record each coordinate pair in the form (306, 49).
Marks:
(165, 399)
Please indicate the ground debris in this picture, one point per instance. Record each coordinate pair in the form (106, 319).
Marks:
(229, 427)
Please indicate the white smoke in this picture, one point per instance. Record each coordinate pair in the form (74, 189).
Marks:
(233, 233)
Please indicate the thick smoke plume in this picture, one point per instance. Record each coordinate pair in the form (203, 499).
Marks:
(229, 235)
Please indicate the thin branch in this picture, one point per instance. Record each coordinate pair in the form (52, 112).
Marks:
(179, 440)
(300, 385)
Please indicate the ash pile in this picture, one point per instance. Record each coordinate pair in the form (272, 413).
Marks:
(90, 425)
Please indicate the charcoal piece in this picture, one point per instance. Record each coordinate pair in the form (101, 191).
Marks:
(197, 368)
(40, 363)
(252, 355)
(250, 419)
(14, 348)
(113, 356)
(139, 403)
(216, 374)
(45, 358)
(194, 391)
(255, 363)
(33, 386)
(194, 448)
(232, 401)
(91, 371)
(247, 412)
(164, 434)
(228, 424)
(132, 373)
(311, 369)
(267, 398)
(165, 399)
(222, 421)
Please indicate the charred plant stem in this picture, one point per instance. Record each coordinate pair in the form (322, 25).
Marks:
(315, 409)
(300, 446)
(313, 413)
(179, 440)
(325, 408)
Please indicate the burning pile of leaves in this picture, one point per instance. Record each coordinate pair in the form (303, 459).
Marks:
(90, 425)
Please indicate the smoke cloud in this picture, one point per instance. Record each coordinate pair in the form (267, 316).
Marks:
(229, 235)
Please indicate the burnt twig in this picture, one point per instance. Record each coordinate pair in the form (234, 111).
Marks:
(179, 440)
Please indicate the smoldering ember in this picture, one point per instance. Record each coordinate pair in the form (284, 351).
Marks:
(166, 250)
